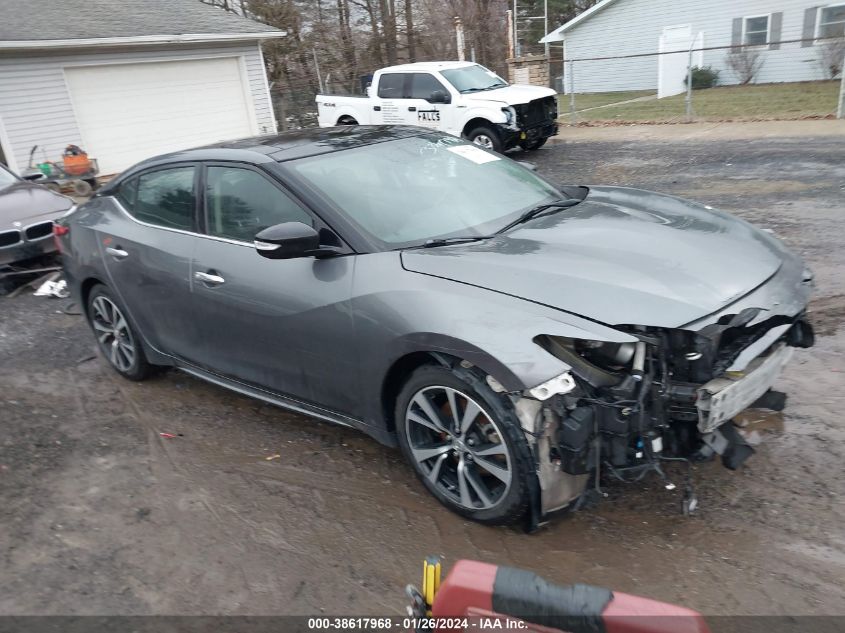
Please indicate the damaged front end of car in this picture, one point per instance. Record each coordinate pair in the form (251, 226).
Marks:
(623, 409)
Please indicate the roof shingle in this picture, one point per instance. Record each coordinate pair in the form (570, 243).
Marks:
(25, 20)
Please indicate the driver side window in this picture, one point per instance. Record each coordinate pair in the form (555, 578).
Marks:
(240, 203)
(423, 84)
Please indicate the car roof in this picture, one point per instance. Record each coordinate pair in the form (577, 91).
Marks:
(282, 147)
(422, 66)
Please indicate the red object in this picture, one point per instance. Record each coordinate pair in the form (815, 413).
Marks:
(468, 592)
(469, 585)
(168, 436)
(633, 614)
(59, 230)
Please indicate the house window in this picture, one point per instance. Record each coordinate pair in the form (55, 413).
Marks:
(832, 21)
(755, 30)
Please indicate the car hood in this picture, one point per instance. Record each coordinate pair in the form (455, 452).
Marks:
(511, 95)
(622, 256)
(26, 202)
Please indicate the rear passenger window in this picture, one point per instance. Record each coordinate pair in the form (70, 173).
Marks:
(165, 198)
(126, 194)
(390, 86)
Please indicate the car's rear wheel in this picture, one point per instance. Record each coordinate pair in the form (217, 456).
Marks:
(347, 120)
(117, 341)
(465, 444)
(486, 137)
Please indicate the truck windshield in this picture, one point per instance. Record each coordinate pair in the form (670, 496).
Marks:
(473, 79)
(408, 191)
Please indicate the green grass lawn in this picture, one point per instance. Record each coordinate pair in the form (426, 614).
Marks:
(765, 101)
(595, 99)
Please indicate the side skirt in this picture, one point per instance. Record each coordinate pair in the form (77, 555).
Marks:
(286, 402)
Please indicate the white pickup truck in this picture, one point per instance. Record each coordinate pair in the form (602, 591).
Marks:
(460, 98)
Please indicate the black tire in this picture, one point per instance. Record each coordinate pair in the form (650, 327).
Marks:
(536, 144)
(347, 120)
(486, 137)
(512, 502)
(137, 368)
(82, 188)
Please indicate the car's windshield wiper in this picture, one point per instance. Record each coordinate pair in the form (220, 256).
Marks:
(477, 89)
(539, 210)
(445, 241)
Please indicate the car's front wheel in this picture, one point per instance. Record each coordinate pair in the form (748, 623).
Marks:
(465, 444)
(117, 341)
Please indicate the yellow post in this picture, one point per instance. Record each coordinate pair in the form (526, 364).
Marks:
(431, 580)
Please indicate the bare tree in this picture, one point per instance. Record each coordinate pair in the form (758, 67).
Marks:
(831, 56)
(409, 30)
(352, 38)
(746, 62)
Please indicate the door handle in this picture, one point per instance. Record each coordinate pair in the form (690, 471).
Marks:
(210, 279)
(412, 108)
(117, 253)
(377, 108)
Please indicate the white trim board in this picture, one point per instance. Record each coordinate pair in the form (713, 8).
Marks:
(139, 40)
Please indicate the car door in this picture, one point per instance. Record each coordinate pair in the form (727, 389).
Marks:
(283, 325)
(392, 90)
(423, 110)
(147, 248)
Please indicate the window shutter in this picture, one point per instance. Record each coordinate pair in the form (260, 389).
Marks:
(809, 31)
(774, 30)
(736, 34)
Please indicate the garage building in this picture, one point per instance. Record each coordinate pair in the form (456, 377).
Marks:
(127, 80)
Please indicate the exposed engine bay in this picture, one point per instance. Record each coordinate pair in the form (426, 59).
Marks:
(624, 409)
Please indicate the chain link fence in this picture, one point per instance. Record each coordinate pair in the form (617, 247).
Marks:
(780, 80)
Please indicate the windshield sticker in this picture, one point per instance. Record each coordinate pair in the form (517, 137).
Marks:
(475, 154)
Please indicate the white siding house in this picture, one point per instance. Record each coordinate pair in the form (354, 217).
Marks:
(126, 81)
(617, 28)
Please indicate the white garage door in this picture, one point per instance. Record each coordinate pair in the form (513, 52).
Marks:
(129, 112)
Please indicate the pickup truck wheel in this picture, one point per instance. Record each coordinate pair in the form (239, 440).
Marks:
(347, 120)
(466, 445)
(485, 137)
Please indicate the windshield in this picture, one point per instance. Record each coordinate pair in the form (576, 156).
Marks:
(407, 191)
(6, 178)
(473, 79)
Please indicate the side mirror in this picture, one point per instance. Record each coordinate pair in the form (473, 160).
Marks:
(438, 96)
(290, 240)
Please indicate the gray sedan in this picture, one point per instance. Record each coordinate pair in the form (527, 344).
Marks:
(517, 339)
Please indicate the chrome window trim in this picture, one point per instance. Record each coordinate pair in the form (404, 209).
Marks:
(20, 237)
(183, 232)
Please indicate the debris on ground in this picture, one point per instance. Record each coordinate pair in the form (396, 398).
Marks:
(53, 288)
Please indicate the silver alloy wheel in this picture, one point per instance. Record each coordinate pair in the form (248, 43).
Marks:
(113, 334)
(458, 447)
(482, 140)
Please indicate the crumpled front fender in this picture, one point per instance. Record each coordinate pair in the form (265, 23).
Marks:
(400, 313)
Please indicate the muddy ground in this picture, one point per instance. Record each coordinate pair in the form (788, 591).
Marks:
(252, 510)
